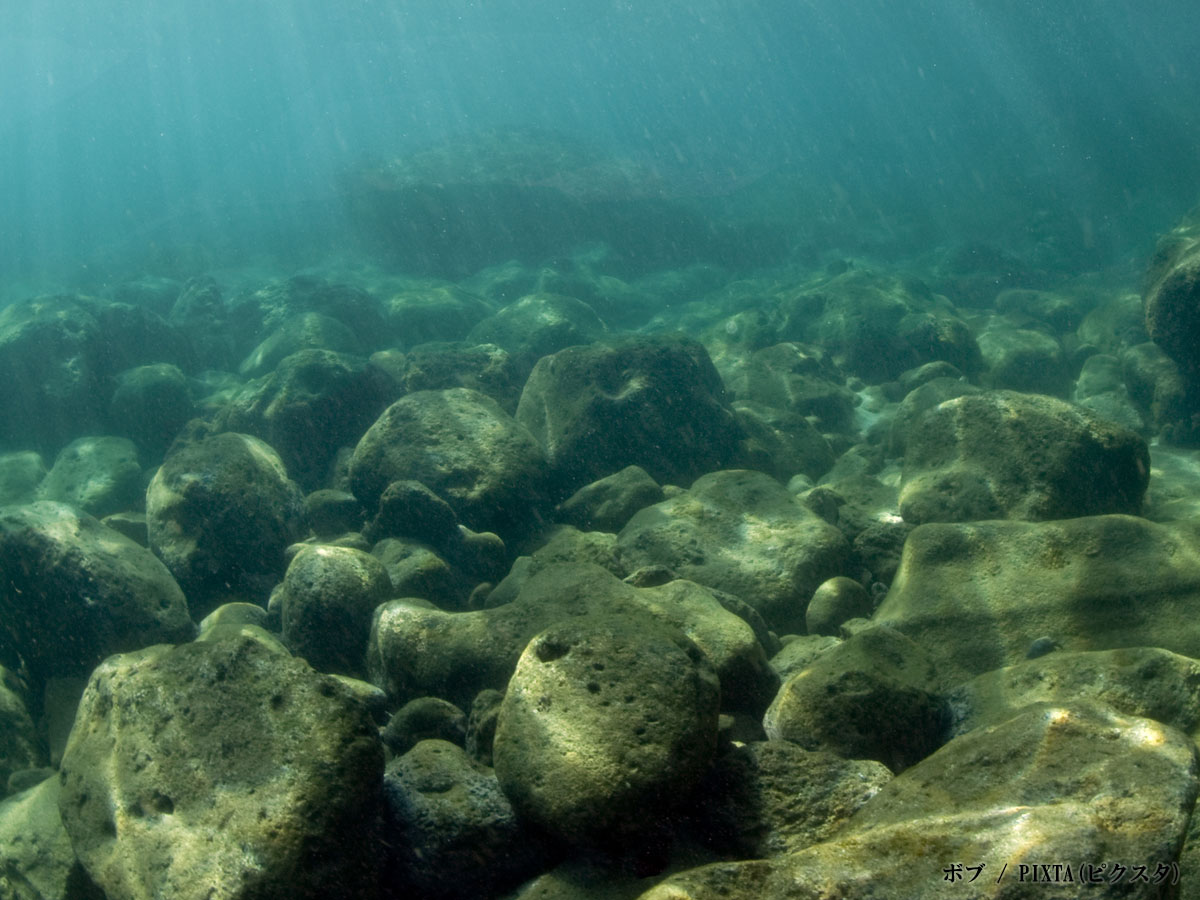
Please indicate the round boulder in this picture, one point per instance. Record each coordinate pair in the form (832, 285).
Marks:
(606, 725)
(326, 602)
(220, 513)
(463, 447)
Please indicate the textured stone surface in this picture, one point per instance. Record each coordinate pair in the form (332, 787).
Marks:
(221, 512)
(221, 769)
(652, 401)
(741, 532)
(1006, 455)
(975, 597)
(75, 591)
(606, 723)
(1055, 784)
(462, 446)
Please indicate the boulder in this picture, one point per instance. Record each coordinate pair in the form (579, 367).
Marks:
(1171, 296)
(150, 405)
(462, 446)
(415, 650)
(96, 475)
(57, 354)
(538, 325)
(36, 859)
(454, 833)
(608, 503)
(869, 697)
(768, 798)
(222, 768)
(221, 511)
(1045, 802)
(653, 401)
(75, 592)
(423, 314)
(745, 533)
(1022, 359)
(605, 725)
(311, 405)
(976, 596)
(326, 602)
(1001, 454)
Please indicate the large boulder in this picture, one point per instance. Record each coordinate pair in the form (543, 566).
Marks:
(745, 533)
(1171, 297)
(222, 768)
(311, 405)
(220, 512)
(655, 402)
(75, 591)
(977, 596)
(538, 325)
(1000, 454)
(97, 475)
(462, 446)
(605, 725)
(1034, 807)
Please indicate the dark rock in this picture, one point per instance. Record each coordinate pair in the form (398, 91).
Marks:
(462, 446)
(453, 831)
(150, 405)
(326, 601)
(315, 402)
(607, 504)
(75, 592)
(605, 726)
(655, 402)
(221, 512)
(425, 718)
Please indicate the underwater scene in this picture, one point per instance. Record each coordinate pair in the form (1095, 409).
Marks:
(544, 450)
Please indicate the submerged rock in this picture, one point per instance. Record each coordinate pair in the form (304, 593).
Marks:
(224, 769)
(462, 446)
(75, 592)
(741, 532)
(606, 724)
(221, 511)
(1001, 454)
(1066, 786)
(655, 402)
(96, 475)
(975, 597)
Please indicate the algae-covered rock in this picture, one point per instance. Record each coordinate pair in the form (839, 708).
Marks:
(1134, 681)
(608, 503)
(605, 725)
(326, 602)
(453, 832)
(870, 697)
(222, 769)
(653, 401)
(1171, 298)
(75, 592)
(462, 446)
(975, 597)
(742, 532)
(36, 858)
(313, 403)
(768, 798)
(221, 511)
(1063, 786)
(415, 650)
(1001, 454)
(538, 325)
(96, 475)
